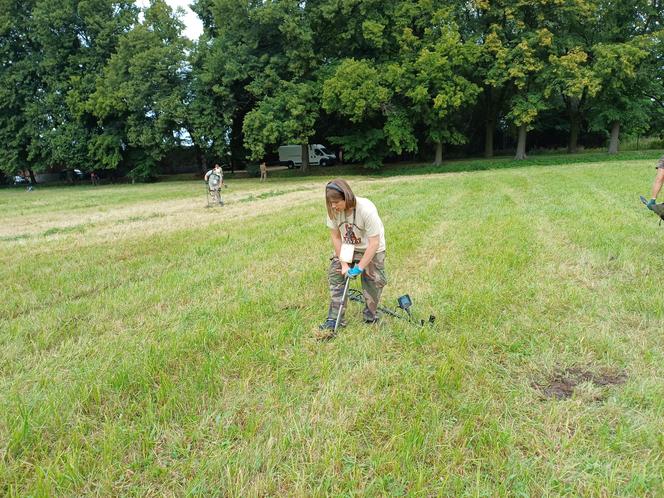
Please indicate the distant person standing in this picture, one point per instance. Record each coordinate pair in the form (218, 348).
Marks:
(215, 180)
(657, 183)
(263, 171)
(94, 178)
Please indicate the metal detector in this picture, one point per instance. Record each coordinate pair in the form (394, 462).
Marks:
(404, 303)
(658, 209)
(343, 302)
(207, 192)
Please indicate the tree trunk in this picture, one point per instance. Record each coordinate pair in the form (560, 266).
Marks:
(521, 144)
(238, 153)
(33, 180)
(305, 158)
(615, 137)
(574, 126)
(488, 137)
(201, 160)
(439, 154)
(203, 166)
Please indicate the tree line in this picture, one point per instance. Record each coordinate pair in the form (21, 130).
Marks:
(102, 84)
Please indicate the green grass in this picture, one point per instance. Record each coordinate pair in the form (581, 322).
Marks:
(461, 165)
(167, 349)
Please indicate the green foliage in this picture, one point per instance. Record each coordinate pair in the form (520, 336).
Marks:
(84, 83)
(438, 65)
(56, 51)
(286, 117)
(356, 90)
(209, 113)
(399, 132)
(140, 96)
(365, 146)
(619, 67)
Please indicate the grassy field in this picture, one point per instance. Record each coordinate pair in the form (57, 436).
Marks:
(152, 347)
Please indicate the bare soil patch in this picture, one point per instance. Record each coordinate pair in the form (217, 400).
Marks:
(561, 384)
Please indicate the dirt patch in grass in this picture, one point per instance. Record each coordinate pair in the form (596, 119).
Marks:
(562, 383)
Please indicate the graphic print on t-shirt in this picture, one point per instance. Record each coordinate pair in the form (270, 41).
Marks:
(349, 236)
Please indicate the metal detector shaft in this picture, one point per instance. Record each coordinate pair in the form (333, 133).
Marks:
(341, 306)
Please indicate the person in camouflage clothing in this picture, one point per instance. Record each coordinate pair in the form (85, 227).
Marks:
(215, 180)
(358, 239)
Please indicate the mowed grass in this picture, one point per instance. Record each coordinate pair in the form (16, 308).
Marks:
(163, 349)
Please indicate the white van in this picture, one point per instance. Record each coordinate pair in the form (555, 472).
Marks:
(291, 155)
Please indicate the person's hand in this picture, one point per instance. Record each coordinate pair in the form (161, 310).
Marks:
(355, 271)
(344, 268)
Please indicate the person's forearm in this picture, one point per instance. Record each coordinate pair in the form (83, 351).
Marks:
(336, 242)
(369, 253)
(657, 184)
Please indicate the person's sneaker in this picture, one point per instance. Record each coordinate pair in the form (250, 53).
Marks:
(650, 204)
(370, 321)
(325, 330)
(329, 324)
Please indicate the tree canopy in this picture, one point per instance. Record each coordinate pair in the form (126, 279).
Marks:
(99, 84)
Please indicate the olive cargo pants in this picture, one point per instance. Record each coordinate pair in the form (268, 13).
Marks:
(373, 278)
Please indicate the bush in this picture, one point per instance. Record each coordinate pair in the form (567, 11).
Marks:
(253, 170)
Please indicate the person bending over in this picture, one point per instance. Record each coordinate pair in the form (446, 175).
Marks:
(358, 239)
(215, 180)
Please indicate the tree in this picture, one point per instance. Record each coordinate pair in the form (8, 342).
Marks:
(54, 52)
(439, 86)
(19, 83)
(287, 92)
(480, 22)
(514, 44)
(621, 61)
(209, 117)
(77, 40)
(653, 89)
(357, 92)
(621, 100)
(139, 100)
(289, 115)
(227, 58)
(363, 87)
(264, 65)
(573, 81)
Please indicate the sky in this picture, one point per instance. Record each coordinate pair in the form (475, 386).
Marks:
(193, 26)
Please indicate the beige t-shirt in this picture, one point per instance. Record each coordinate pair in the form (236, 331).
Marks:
(357, 227)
